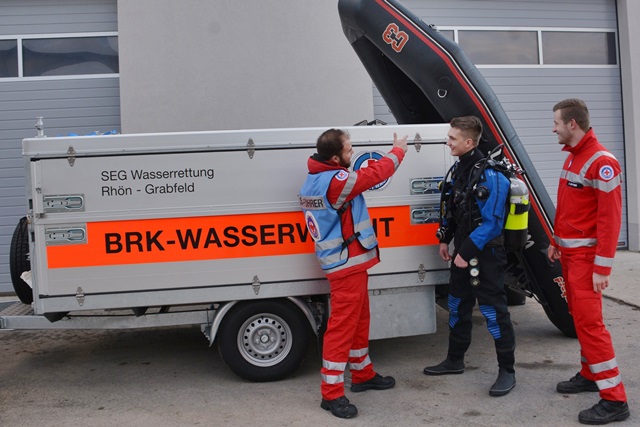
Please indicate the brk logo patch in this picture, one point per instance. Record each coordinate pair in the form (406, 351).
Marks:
(362, 160)
(342, 175)
(312, 226)
(606, 172)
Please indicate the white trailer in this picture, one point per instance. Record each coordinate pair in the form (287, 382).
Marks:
(205, 228)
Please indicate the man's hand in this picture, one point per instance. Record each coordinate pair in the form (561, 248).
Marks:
(402, 142)
(444, 252)
(600, 282)
(553, 253)
(460, 262)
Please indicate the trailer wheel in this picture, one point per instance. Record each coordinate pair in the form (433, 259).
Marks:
(264, 340)
(19, 261)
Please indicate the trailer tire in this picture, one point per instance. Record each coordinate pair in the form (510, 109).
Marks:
(263, 340)
(19, 261)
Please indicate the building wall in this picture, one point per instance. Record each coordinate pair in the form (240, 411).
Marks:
(224, 64)
(629, 34)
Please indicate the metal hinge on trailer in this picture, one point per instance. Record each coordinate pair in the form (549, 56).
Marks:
(71, 156)
(422, 272)
(417, 142)
(80, 296)
(251, 148)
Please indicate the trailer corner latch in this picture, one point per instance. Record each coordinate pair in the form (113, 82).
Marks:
(425, 215)
(422, 272)
(63, 203)
(71, 155)
(65, 235)
(256, 285)
(251, 148)
(417, 142)
(80, 296)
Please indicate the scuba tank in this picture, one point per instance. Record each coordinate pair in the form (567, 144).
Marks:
(516, 226)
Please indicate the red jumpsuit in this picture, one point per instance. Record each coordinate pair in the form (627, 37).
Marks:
(587, 226)
(346, 339)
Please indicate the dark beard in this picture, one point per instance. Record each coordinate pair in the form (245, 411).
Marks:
(345, 165)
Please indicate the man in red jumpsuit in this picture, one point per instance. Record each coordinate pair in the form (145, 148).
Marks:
(346, 246)
(586, 230)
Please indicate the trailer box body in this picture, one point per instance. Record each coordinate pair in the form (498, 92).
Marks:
(128, 221)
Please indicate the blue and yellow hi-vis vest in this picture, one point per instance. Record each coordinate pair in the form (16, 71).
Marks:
(324, 225)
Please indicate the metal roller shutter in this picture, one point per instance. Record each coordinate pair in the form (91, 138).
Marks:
(80, 105)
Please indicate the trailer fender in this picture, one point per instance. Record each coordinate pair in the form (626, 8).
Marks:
(224, 309)
(217, 320)
(304, 307)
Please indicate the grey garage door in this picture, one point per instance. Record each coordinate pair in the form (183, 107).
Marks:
(33, 84)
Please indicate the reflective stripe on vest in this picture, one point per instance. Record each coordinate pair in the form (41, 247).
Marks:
(353, 261)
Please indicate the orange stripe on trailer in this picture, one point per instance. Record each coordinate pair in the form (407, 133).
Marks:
(219, 237)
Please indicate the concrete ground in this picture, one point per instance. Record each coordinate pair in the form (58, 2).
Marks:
(169, 377)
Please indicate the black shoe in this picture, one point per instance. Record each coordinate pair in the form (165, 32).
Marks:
(504, 384)
(604, 412)
(445, 367)
(340, 407)
(378, 382)
(577, 384)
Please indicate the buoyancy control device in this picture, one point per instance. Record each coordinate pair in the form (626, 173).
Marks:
(516, 224)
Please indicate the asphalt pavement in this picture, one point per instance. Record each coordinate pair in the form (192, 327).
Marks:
(625, 279)
(169, 377)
